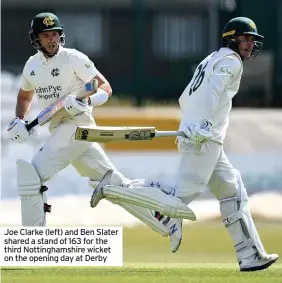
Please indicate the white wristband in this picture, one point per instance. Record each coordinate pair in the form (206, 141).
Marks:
(99, 98)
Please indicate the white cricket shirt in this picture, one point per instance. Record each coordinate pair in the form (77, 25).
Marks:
(209, 94)
(57, 76)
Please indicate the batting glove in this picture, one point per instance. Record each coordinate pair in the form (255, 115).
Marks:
(199, 133)
(75, 107)
(17, 130)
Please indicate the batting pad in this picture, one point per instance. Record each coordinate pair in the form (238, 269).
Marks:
(151, 199)
(32, 200)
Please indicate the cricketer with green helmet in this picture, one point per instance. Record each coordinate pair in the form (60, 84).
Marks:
(44, 22)
(205, 105)
(53, 72)
(238, 27)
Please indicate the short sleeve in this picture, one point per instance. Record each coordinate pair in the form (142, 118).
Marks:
(83, 67)
(26, 84)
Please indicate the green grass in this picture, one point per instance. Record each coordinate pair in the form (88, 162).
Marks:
(206, 255)
(147, 273)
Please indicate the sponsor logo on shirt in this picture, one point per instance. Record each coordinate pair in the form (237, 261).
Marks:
(227, 71)
(48, 92)
(88, 65)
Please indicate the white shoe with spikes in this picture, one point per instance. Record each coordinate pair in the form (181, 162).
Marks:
(255, 262)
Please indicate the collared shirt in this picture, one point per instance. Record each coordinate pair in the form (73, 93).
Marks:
(51, 78)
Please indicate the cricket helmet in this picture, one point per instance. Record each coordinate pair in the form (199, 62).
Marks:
(241, 26)
(45, 22)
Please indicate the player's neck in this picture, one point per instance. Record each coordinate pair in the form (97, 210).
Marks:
(50, 55)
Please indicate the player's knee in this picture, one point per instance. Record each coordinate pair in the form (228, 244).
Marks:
(242, 192)
(223, 185)
(227, 185)
(44, 171)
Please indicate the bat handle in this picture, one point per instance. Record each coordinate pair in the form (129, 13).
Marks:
(170, 134)
(32, 124)
(90, 88)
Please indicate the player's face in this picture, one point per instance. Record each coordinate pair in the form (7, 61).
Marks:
(246, 44)
(50, 41)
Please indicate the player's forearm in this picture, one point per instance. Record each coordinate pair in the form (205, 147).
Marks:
(107, 88)
(103, 83)
(22, 107)
(99, 98)
(103, 93)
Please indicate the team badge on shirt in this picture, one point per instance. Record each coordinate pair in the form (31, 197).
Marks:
(55, 72)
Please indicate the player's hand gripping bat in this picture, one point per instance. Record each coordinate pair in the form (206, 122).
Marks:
(50, 111)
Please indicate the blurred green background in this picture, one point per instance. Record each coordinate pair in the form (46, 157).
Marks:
(148, 49)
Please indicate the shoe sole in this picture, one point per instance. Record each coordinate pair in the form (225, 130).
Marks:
(178, 245)
(257, 268)
(98, 193)
(179, 241)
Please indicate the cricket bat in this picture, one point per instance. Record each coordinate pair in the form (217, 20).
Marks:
(51, 110)
(114, 134)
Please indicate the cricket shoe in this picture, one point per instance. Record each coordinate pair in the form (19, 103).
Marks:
(98, 191)
(174, 226)
(256, 262)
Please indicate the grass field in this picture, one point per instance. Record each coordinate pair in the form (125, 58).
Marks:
(206, 255)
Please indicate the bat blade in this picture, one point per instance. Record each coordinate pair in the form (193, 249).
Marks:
(111, 134)
(49, 112)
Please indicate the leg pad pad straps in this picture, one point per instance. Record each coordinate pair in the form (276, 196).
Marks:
(237, 219)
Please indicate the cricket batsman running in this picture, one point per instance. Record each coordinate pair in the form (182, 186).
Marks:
(51, 73)
(205, 105)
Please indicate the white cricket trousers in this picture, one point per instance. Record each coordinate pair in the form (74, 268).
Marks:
(61, 149)
(204, 166)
